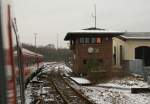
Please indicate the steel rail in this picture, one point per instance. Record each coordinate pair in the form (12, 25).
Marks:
(65, 100)
(67, 94)
(76, 93)
(55, 91)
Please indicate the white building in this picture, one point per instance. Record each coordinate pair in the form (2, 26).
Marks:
(131, 46)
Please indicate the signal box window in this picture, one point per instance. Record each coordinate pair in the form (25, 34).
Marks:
(87, 40)
(82, 40)
(98, 40)
(93, 40)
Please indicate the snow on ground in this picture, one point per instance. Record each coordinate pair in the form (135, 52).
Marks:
(118, 92)
(28, 92)
(64, 69)
(28, 98)
(114, 96)
(48, 68)
(128, 82)
(80, 80)
(56, 67)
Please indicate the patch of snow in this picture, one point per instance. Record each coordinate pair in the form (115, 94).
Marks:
(56, 68)
(44, 90)
(111, 96)
(126, 83)
(96, 31)
(49, 100)
(80, 80)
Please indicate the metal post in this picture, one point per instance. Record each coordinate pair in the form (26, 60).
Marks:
(35, 49)
(35, 39)
(57, 40)
(20, 65)
(21, 74)
(95, 15)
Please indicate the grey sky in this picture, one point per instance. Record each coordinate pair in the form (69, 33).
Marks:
(51, 17)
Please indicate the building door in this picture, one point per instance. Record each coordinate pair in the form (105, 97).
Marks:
(121, 55)
(143, 52)
(114, 56)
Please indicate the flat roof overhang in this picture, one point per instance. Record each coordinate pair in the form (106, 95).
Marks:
(71, 35)
(135, 38)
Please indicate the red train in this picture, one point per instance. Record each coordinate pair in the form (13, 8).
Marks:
(31, 61)
(16, 63)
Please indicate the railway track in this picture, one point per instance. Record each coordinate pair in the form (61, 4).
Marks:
(68, 93)
(59, 92)
(51, 88)
(47, 93)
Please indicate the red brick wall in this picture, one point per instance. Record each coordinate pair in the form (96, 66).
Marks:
(81, 53)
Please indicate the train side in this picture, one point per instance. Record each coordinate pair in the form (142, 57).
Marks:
(15, 64)
(31, 62)
(10, 95)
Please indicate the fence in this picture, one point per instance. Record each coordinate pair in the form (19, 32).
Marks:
(136, 66)
(147, 74)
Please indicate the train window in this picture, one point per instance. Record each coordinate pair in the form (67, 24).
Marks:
(82, 40)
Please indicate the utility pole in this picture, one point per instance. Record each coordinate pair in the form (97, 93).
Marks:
(35, 34)
(57, 40)
(35, 37)
(95, 14)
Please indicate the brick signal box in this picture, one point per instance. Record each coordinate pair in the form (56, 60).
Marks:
(91, 44)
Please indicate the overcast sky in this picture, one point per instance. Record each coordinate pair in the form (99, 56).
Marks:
(51, 17)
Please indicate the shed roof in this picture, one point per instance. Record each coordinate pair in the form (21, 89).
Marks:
(92, 32)
(136, 35)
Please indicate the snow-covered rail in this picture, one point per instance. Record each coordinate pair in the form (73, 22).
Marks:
(49, 87)
(68, 93)
(55, 90)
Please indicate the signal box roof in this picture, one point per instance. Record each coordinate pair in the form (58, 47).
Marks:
(92, 32)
